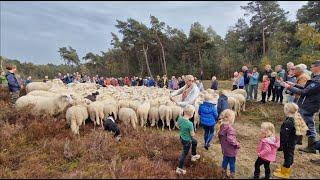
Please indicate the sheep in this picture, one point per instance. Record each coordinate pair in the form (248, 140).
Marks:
(42, 93)
(142, 113)
(96, 113)
(176, 112)
(240, 91)
(234, 104)
(76, 116)
(128, 115)
(38, 86)
(48, 105)
(154, 115)
(124, 104)
(134, 105)
(165, 113)
(111, 108)
(242, 101)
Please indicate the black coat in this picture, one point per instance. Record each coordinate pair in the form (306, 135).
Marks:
(309, 95)
(288, 137)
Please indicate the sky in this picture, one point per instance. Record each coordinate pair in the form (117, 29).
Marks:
(34, 31)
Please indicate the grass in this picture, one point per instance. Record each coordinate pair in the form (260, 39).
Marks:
(43, 147)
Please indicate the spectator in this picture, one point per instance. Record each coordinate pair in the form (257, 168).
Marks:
(45, 79)
(253, 84)
(159, 82)
(272, 87)
(107, 81)
(28, 80)
(302, 78)
(268, 72)
(222, 102)
(305, 69)
(214, 83)
(278, 87)
(241, 81)
(200, 85)
(120, 81)
(14, 86)
(127, 81)
(101, 81)
(309, 103)
(181, 82)
(290, 78)
(140, 82)
(165, 81)
(3, 79)
(245, 71)
(289, 66)
(133, 81)
(235, 81)
(175, 83)
(264, 87)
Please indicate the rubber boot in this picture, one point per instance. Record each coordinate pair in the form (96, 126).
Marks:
(310, 148)
(284, 173)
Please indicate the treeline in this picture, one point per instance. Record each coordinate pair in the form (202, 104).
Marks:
(157, 48)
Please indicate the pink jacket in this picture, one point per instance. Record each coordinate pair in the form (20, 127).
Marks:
(268, 147)
(265, 85)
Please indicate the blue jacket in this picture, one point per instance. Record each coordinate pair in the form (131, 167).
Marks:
(222, 103)
(241, 82)
(151, 82)
(254, 79)
(13, 83)
(246, 77)
(208, 114)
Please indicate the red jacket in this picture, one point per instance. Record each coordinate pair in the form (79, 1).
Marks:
(265, 86)
(267, 148)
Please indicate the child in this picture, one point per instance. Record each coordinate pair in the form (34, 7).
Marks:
(241, 80)
(229, 142)
(292, 127)
(187, 135)
(272, 89)
(264, 88)
(208, 117)
(14, 86)
(267, 149)
(235, 80)
(222, 102)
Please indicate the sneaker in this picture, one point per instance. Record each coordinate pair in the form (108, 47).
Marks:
(180, 171)
(206, 147)
(195, 157)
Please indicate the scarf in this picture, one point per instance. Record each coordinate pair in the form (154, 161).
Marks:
(186, 92)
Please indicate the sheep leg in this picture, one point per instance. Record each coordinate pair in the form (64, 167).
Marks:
(168, 124)
(162, 125)
(244, 107)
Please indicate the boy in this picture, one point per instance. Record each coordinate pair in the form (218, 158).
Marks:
(187, 135)
(14, 86)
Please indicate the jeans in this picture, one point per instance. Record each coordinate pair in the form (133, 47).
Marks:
(231, 161)
(185, 151)
(279, 93)
(308, 118)
(317, 145)
(257, 165)
(253, 88)
(208, 134)
(246, 87)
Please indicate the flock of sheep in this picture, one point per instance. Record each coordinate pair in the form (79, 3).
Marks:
(133, 106)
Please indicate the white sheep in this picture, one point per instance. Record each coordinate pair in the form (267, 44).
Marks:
(165, 113)
(128, 115)
(96, 113)
(38, 86)
(48, 105)
(154, 115)
(76, 116)
(111, 108)
(176, 112)
(42, 93)
(142, 113)
(234, 104)
(240, 91)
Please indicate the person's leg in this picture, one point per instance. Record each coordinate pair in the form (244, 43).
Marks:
(210, 135)
(269, 92)
(267, 169)
(311, 132)
(255, 91)
(13, 97)
(247, 90)
(263, 97)
(225, 162)
(184, 153)
(206, 132)
(232, 162)
(250, 92)
(281, 94)
(277, 94)
(273, 94)
(288, 157)
(257, 165)
(194, 147)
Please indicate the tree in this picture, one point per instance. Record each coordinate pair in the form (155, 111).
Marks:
(69, 55)
(310, 14)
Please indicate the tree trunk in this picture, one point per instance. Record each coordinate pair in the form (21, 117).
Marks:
(145, 52)
(162, 67)
(1, 61)
(163, 54)
(200, 60)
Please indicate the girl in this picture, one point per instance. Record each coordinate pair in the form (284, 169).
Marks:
(291, 128)
(241, 81)
(264, 88)
(235, 80)
(229, 143)
(271, 89)
(266, 150)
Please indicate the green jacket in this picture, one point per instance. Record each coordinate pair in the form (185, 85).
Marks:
(3, 80)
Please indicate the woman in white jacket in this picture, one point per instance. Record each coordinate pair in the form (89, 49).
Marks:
(189, 92)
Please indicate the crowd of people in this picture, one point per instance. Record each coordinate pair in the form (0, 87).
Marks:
(301, 86)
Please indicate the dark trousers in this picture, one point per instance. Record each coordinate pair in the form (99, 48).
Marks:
(109, 125)
(241, 87)
(270, 91)
(279, 93)
(185, 150)
(13, 97)
(288, 153)
(257, 165)
(264, 94)
(208, 134)
(273, 90)
(234, 87)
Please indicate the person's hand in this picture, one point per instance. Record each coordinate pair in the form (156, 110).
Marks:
(290, 83)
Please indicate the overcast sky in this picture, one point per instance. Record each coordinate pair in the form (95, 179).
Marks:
(33, 31)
